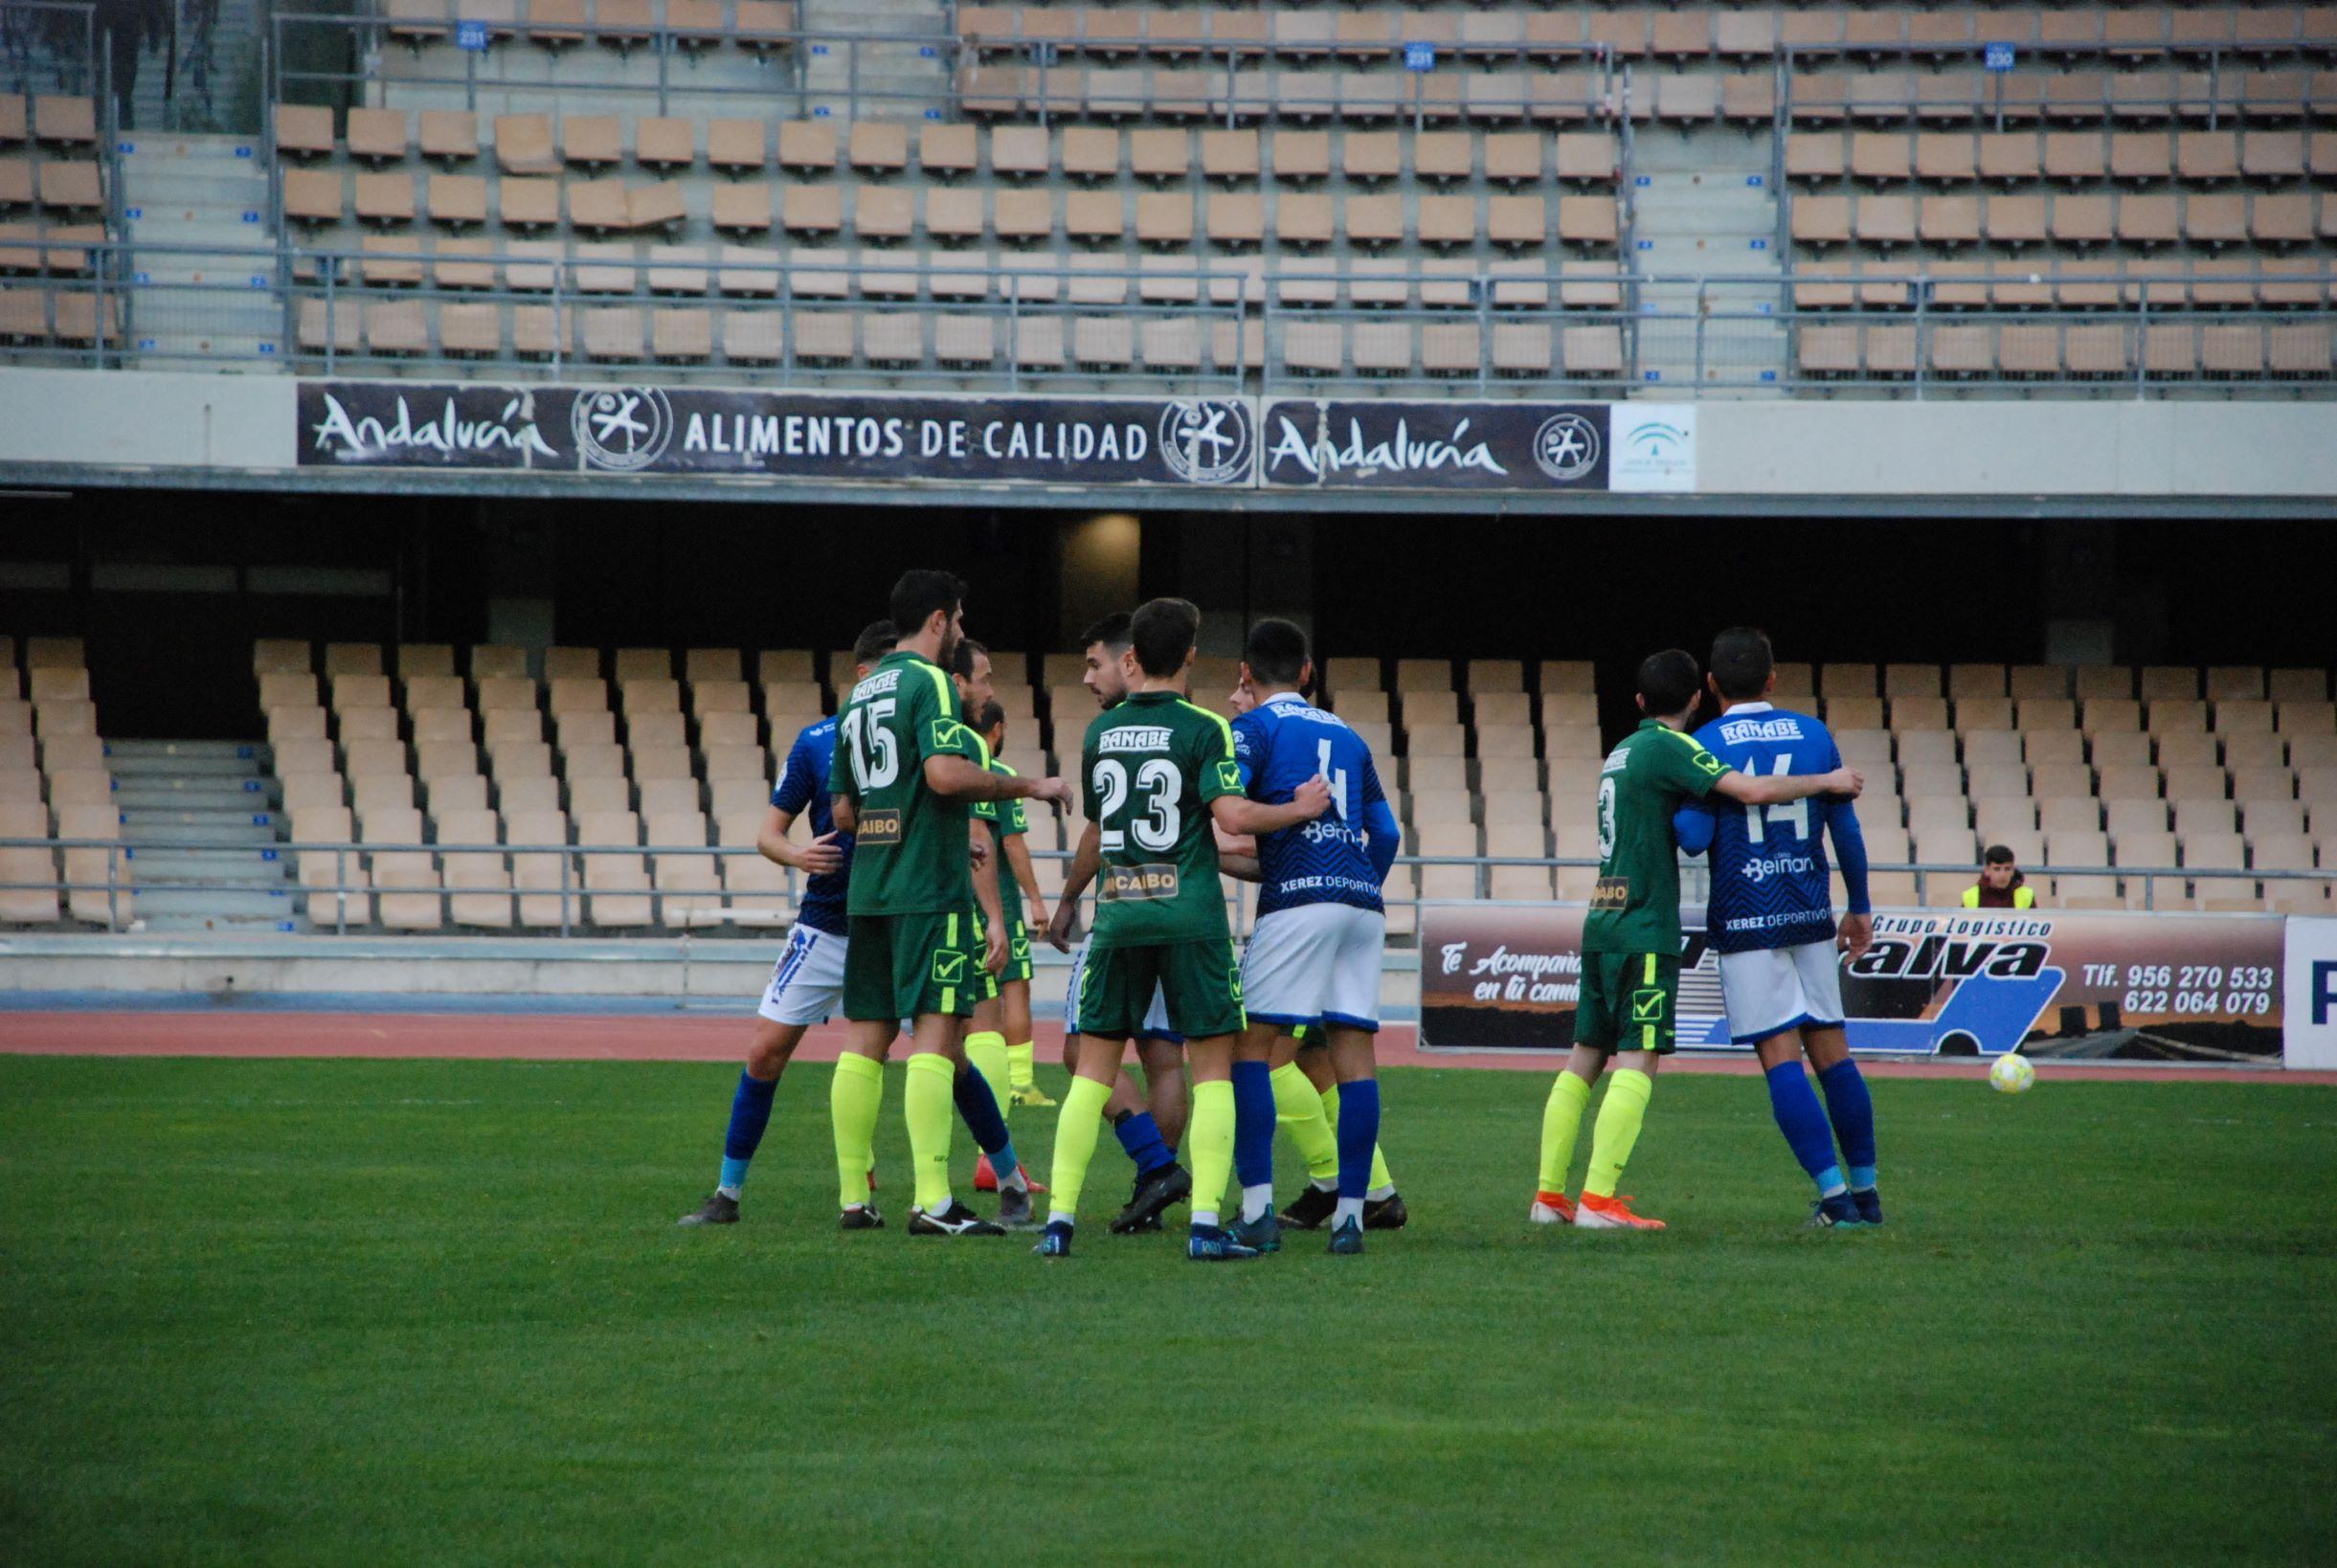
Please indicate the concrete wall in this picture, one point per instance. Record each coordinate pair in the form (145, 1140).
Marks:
(159, 423)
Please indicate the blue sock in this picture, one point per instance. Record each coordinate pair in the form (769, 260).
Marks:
(1253, 1123)
(1795, 1104)
(749, 1114)
(1140, 1135)
(978, 1108)
(1358, 1134)
(1853, 1110)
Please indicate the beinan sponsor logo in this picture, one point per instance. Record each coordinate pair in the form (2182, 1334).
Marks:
(621, 430)
(512, 430)
(1741, 731)
(1566, 447)
(1205, 441)
(1401, 453)
(1782, 865)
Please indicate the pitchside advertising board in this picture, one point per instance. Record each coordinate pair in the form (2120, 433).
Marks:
(2312, 993)
(1217, 443)
(2136, 987)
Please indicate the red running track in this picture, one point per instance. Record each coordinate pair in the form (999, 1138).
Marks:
(538, 1037)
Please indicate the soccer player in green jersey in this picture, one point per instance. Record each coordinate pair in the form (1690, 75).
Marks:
(1632, 938)
(1155, 773)
(907, 771)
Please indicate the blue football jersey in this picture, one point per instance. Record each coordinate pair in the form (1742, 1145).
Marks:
(1280, 745)
(1770, 882)
(804, 783)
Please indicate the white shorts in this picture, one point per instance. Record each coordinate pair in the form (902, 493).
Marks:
(1155, 1017)
(1769, 990)
(1318, 963)
(807, 982)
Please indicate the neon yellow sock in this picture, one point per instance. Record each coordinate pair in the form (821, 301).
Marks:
(1209, 1142)
(1020, 1060)
(1328, 1171)
(986, 1052)
(930, 1106)
(1561, 1121)
(1076, 1130)
(1620, 1115)
(1303, 1114)
(855, 1096)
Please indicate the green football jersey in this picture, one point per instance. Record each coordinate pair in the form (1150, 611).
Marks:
(909, 848)
(1006, 817)
(1635, 905)
(1149, 769)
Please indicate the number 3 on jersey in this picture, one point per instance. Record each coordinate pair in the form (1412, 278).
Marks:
(1606, 820)
(1163, 818)
(875, 752)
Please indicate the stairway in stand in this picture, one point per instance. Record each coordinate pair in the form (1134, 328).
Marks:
(200, 820)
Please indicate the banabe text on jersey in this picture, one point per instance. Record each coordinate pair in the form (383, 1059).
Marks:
(1771, 886)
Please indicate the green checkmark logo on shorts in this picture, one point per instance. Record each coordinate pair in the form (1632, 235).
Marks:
(949, 968)
(1646, 1006)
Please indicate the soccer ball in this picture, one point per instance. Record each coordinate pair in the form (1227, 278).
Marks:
(2011, 1074)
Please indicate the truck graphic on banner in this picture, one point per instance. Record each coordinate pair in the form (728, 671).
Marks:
(1505, 977)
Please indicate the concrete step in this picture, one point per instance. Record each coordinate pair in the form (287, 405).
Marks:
(172, 909)
(255, 750)
(259, 862)
(154, 184)
(125, 762)
(245, 837)
(173, 919)
(206, 794)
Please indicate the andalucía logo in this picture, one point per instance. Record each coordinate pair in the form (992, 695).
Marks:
(1566, 446)
(1205, 441)
(622, 429)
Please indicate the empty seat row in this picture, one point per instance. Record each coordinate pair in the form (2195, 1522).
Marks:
(55, 120)
(758, 26)
(2070, 283)
(2072, 97)
(56, 249)
(2078, 157)
(2177, 350)
(2141, 219)
(1269, 92)
(53, 185)
(67, 317)
(1364, 35)
(1690, 33)
(1909, 713)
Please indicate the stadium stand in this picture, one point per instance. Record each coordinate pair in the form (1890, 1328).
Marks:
(432, 786)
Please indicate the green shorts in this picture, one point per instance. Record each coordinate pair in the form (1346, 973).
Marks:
(1201, 982)
(1018, 951)
(1627, 1002)
(903, 966)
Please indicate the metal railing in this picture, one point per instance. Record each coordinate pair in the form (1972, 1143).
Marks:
(573, 890)
(1263, 325)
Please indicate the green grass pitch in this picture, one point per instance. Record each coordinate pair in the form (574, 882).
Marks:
(429, 1313)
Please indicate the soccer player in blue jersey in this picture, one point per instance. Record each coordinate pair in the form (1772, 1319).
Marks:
(1314, 953)
(1770, 918)
(807, 982)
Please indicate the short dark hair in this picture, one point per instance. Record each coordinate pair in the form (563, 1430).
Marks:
(1741, 662)
(990, 717)
(1113, 631)
(876, 640)
(1161, 633)
(1997, 855)
(961, 663)
(1276, 652)
(1668, 682)
(920, 592)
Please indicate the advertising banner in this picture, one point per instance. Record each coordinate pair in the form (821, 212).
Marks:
(2312, 993)
(734, 431)
(2143, 987)
(1379, 443)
